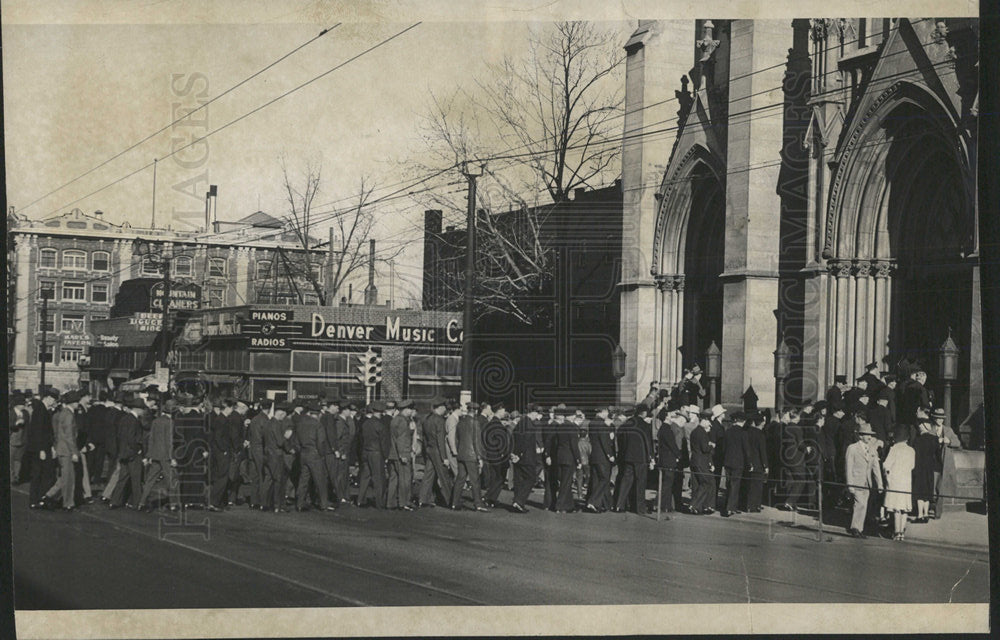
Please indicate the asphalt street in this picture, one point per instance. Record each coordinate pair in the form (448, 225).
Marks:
(95, 558)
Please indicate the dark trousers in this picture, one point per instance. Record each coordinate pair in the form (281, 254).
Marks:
(43, 476)
(220, 479)
(733, 483)
(494, 474)
(131, 479)
(666, 490)
(797, 479)
(160, 475)
(755, 490)
(470, 470)
(312, 469)
(564, 497)
(330, 461)
(372, 473)
(702, 489)
(678, 487)
(95, 461)
(235, 479)
(273, 481)
(255, 467)
(341, 484)
(600, 482)
(434, 473)
(551, 486)
(632, 484)
(524, 482)
(400, 489)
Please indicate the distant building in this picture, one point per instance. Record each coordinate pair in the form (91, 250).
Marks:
(80, 261)
(565, 354)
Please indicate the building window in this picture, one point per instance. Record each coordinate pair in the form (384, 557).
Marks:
(182, 266)
(98, 317)
(72, 323)
(337, 363)
(70, 356)
(217, 267)
(46, 355)
(46, 290)
(150, 266)
(75, 260)
(310, 298)
(263, 269)
(436, 367)
(47, 323)
(102, 261)
(98, 292)
(277, 362)
(74, 291)
(305, 361)
(216, 297)
(47, 259)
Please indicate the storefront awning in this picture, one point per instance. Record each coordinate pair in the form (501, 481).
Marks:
(140, 384)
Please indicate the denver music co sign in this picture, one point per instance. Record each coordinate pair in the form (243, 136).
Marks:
(276, 330)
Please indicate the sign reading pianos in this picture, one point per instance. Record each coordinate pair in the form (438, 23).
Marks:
(277, 329)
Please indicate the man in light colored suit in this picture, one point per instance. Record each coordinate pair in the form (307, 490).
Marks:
(862, 467)
(64, 427)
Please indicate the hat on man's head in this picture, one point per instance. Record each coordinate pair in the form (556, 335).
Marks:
(563, 410)
(889, 377)
(535, 408)
(695, 370)
(51, 392)
(738, 416)
(718, 410)
(404, 404)
(169, 405)
(390, 404)
(283, 406)
(438, 402)
(819, 405)
(938, 412)
(865, 430)
(840, 378)
(377, 405)
(135, 402)
(871, 365)
(472, 406)
(17, 398)
(70, 397)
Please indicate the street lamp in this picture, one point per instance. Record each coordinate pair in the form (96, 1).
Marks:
(948, 370)
(713, 369)
(782, 356)
(618, 362)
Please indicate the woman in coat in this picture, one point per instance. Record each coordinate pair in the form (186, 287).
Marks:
(927, 461)
(898, 468)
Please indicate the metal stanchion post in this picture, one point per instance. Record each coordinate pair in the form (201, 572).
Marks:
(659, 494)
(819, 493)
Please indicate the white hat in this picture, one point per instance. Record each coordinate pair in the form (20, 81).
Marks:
(692, 408)
(718, 410)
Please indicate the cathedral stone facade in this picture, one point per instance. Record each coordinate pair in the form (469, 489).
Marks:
(809, 181)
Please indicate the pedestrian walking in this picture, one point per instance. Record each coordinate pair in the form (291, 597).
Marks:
(400, 491)
(468, 449)
(602, 456)
(311, 442)
(637, 455)
(945, 481)
(702, 476)
(345, 436)
(278, 442)
(65, 432)
(375, 448)
(668, 454)
(130, 450)
(40, 446)
(565, 459)
(496, 446)
(17, 421)
(524, 456)
(927, 462)
(160, 462)
(437, 470)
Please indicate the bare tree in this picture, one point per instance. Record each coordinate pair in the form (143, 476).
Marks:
(352, 229)
(556, 107)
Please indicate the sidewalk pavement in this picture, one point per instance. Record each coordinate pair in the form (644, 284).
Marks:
(958, 527)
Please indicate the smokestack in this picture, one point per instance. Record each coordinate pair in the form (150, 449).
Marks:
(330, 293)
(371, 293)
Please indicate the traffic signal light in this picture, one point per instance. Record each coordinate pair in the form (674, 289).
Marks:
(370, 368)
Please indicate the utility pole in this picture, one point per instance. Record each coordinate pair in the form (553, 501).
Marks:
(470, 283)
(392, 283)
(165, 324)
(45, 340)
(152, 222)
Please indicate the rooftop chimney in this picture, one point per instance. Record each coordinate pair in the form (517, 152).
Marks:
(432, 221)
(371, 292)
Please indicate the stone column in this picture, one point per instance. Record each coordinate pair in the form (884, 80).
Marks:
(883, 291)
(665, 309)
(757, 58)
(26, 312)
(678, 345)
(864, 316)
(843, 274)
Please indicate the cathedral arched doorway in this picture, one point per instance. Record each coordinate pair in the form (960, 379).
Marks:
(903, 248)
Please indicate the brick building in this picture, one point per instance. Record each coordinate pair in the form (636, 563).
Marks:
(80, 262)
(565, 354)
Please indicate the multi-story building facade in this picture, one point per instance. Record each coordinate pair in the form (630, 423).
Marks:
(565, 353)
(79, 261)
(819, 186)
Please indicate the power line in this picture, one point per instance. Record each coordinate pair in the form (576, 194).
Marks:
(242, 117)
(187, 115)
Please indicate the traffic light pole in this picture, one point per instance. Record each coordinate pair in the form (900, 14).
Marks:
(470, 283)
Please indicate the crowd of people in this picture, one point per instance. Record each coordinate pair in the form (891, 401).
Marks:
(872, 448)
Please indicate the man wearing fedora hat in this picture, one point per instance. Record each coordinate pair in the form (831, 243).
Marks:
(524, 456)
(65, 431)
(374, 449)
(40, 446)
(400, 489)
(311, 440)
(130, 449)
(863, 470)
(717, 430)
(160, 461)
(636, 455)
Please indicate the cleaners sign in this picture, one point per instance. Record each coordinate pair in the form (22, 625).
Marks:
(275, 330)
